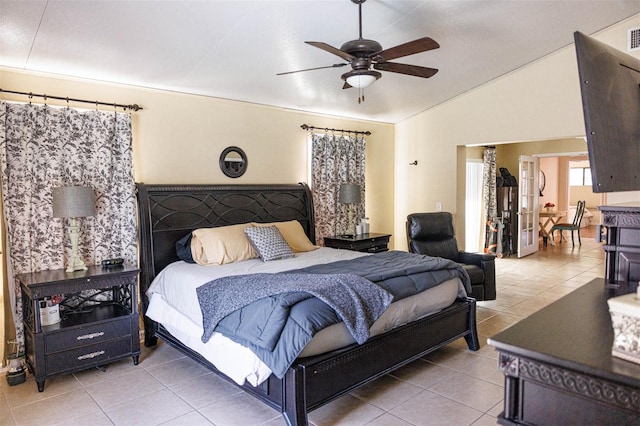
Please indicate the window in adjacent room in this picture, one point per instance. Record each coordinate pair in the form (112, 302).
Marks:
(579, 175)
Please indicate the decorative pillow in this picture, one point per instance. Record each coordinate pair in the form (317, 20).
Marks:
(183, 249)
(217, 246)
(268, 242)
(293, 234)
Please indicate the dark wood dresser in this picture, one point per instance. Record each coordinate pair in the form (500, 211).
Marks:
(622, 246)
(558, 365)
(99, 319)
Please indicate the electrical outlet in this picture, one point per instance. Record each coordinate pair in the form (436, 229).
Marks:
(438, 206)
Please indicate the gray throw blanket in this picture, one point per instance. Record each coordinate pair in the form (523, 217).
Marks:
(356, 300)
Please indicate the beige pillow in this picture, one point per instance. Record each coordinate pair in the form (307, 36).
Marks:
(293, 234)
(225, 244)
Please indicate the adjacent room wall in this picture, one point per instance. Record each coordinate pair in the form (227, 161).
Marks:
(508, 155)
(540, 101)
(551, 168)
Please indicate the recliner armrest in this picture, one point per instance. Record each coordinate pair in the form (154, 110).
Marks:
(488, 265)
(477, 259)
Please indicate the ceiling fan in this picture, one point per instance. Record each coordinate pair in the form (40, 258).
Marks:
(364, 54)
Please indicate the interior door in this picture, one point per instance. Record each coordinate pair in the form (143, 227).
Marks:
(528, 209)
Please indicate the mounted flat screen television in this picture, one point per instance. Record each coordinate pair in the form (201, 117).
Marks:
(610, 86)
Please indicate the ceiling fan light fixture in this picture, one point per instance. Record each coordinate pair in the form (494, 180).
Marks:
(361, 79)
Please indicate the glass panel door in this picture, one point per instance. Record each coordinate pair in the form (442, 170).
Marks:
(528, 206)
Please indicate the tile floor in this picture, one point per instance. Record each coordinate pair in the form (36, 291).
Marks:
(452, 386)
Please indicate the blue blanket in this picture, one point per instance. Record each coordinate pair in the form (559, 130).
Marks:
(400, 273)
(357, 301)
(278, 327)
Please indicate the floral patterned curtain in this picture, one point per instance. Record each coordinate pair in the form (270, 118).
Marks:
(490, 200)
(42, 147)
(335, 159)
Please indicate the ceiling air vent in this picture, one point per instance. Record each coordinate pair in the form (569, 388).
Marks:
(634, 39)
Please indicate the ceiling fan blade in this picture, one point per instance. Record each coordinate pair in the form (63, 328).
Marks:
(331, 49)
(313, 69)
(413, 70)
(346, 86)
(406, 49)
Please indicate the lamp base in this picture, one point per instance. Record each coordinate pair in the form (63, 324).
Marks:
(351, 229)
(76, 265)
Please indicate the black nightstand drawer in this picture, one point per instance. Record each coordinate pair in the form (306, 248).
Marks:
(96, 327)
(88, 356)
(77, 337)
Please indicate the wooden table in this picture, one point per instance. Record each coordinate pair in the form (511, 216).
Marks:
(558, 365)
(552, 217)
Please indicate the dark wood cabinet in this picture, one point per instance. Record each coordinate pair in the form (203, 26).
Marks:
(622, 247)
(98, 323)
(370, 243)
(559, 368)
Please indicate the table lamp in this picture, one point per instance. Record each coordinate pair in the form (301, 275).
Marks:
(74, 202)
(349, 193)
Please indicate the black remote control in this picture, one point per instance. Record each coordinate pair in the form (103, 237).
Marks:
(110, 263)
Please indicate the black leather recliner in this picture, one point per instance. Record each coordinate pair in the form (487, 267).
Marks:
(433, 234)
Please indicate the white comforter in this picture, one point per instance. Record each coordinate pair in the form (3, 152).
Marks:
(173, 302)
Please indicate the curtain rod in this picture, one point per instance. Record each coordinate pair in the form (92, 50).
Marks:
(134, 107)
(306, 127)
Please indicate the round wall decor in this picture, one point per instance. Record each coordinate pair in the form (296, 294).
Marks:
(233, 162)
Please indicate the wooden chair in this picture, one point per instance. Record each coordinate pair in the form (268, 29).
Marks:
(574, 226)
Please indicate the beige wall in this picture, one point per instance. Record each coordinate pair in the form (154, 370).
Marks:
(538, 102)
(178, 137)
(508, 155)
(551, 168)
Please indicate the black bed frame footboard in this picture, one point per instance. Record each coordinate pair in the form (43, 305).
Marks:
(314, 381)
(168, 212)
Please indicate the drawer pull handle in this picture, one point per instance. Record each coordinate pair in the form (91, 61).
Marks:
(90, 336)
(90, 356)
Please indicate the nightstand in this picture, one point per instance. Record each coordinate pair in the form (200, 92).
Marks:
(371, 243)
(97, 326)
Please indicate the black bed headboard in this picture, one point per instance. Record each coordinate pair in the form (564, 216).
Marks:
(169, 212)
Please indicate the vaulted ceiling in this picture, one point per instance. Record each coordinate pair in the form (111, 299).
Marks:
(234, 49)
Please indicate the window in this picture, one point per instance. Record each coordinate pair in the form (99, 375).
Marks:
(474, 217)
(580, 176)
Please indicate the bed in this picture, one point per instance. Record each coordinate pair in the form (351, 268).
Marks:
(168, 212)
